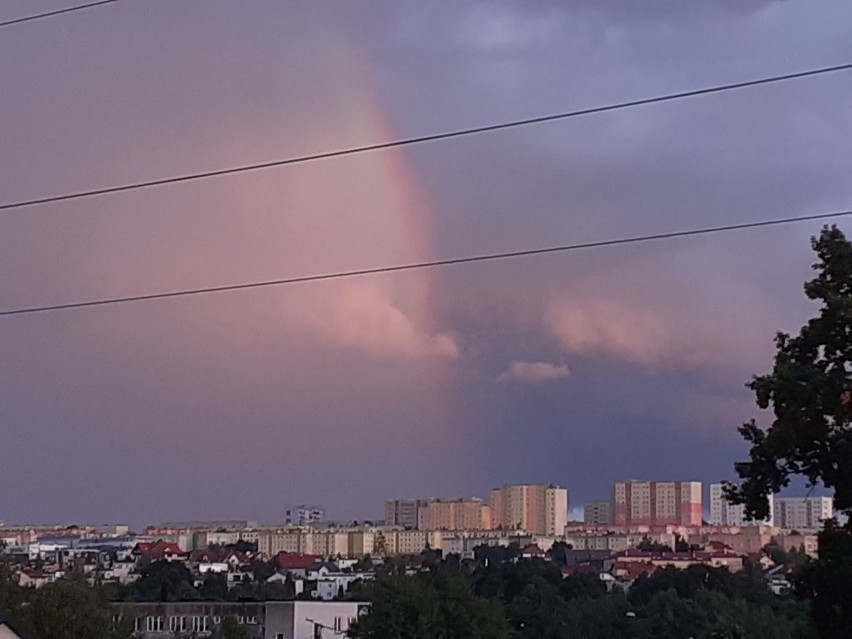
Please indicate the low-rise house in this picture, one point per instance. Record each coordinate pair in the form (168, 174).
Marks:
(158, 551)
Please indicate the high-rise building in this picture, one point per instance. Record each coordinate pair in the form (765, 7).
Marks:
(534, 508)
(803, 512)
(456, 514)
(597, 513)
(656, 503)
(403, 512)
(724, 513)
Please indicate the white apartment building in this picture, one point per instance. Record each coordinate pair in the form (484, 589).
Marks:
(724, 513)
(803, 512)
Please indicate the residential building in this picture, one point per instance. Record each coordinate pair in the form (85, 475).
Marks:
(533, 508)
(403, 512)
(803, 512)
(656, 503)
(263, 620)
(597, 513)
(724, 513)
(303, 515)
(457, 514)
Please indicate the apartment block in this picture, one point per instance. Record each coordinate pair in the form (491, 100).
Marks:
(724, 513)
(534, 508)
(802, 512)
(403, 512)
(597, 513)
(458, 514)
(656, 503)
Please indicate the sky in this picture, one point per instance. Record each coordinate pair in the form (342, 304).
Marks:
(579, 369)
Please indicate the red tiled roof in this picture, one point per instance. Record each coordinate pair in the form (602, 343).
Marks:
(157, 550)
(295, 561)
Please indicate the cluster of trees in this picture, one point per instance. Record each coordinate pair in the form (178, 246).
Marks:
(172, 581)
(68, 608)
(531, 600)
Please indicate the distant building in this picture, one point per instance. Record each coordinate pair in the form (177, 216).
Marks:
(403, 512)
(656, 503)
(457, 514)
(303, 515)
(724, 513)
(534, 508)
(278, 619)
(803, 512)
(597, 513)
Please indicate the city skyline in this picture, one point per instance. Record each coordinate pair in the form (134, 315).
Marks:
(576, 369)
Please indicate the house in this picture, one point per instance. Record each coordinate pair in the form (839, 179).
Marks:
(31, 578)
(295, 563)
(531, 551)
(321, 569)
(158, 551)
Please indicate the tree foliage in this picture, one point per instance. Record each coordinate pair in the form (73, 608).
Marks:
(531, 600)
(67, 609)
(810, 393)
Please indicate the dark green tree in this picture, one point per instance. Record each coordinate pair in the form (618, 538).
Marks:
(231, 629)
(68, 609)
(214, 587)
(429, 606)
(161, 581)
(810, 394)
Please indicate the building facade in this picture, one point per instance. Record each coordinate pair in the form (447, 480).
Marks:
(458, 514)
(656, 503)
(403, 512)
(724, 513)
(263, 620)
(597, 513)
(802, 512)
(534, 508)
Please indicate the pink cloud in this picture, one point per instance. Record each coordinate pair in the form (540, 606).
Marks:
(363, 316)
(533, 372)
(651, 338)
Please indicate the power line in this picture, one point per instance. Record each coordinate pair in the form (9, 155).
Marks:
(422, 139)
(488, 257)
(48, 14)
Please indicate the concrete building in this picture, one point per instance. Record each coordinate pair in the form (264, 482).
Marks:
(803, 512)
(263, 620)
(723, 513)
(656, 503)
(403, 512)
(597, 513)
(458, 514)
(303, 515)
(534, 508)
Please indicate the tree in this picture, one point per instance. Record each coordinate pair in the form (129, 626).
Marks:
(214, 587)
(810, 393)
(68, 609)
(429, 605)
(647, 545)
(161, 581)
(231, 629)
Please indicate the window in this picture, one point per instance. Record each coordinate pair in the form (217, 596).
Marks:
(174, 624)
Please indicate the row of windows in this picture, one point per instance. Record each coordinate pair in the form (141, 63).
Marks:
(186, 623)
